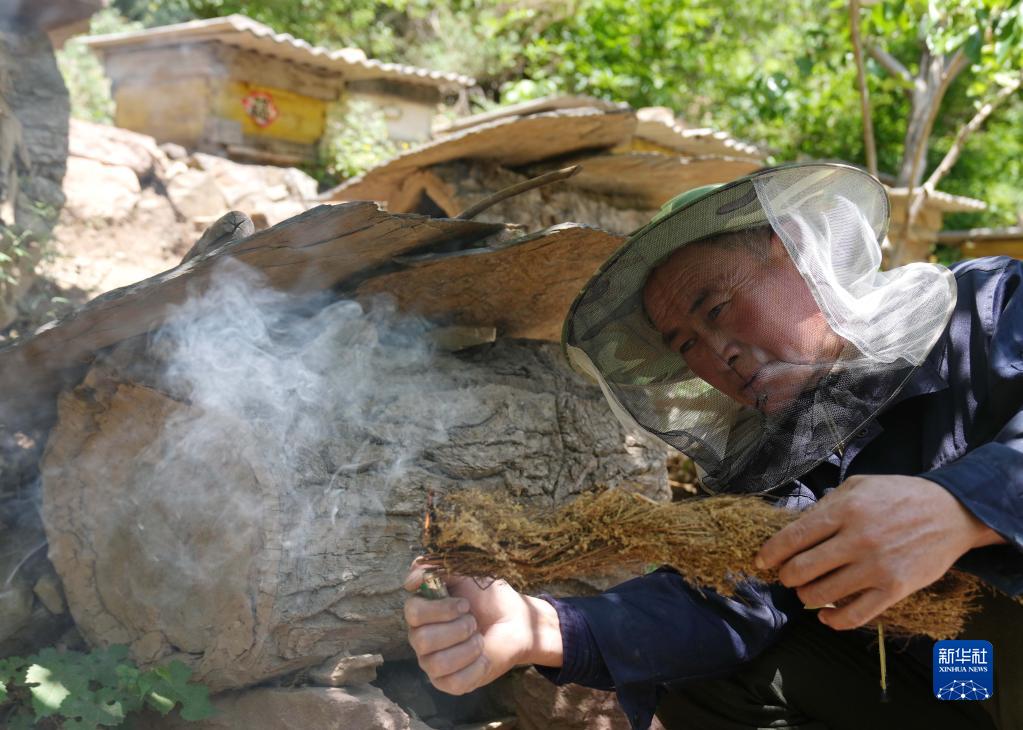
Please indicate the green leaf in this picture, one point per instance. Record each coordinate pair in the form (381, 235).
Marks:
(158, 702)
(48, 693)
(973, 46)
(22, 720)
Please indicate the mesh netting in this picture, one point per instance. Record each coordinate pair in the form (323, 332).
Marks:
(752, 330)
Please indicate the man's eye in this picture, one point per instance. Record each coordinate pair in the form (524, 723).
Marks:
(713, 314)
(687, 345)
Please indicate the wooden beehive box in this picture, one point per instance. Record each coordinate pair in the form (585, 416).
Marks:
(234, 87)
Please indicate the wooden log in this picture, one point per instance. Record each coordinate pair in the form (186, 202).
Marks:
(251, 525)
(523, 287)
(315, 250)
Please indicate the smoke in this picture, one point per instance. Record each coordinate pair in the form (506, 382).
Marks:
(272, 466)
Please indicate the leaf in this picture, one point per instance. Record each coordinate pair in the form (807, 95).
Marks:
(48, 693)
(973, 46)
(23, 720)
(158, 702)
(195, 703)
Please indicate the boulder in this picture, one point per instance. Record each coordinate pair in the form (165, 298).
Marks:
(116, 147)
(345, 670)
(303, 708)
(203, 187)
(244, 490)
(97, 191)
(541, 705)
(34, 109)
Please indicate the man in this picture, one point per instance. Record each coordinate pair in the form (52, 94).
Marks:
(749, 327)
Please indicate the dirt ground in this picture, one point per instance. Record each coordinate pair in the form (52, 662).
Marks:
(86, 258)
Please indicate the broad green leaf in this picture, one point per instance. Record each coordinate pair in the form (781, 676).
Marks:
(47, 692)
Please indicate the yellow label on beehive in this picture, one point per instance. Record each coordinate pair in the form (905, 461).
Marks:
(268, 112)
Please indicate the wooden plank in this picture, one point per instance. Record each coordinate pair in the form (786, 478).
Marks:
(994, 247)
(511, 142)
(649, 180)
(316, 250)
(261, 69)
(170, 110)
(523, 287)
(140, 66)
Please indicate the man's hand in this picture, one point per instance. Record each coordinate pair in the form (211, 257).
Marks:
(472, 638)
(873, 541)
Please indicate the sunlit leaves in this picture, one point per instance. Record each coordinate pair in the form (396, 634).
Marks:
(93, 690)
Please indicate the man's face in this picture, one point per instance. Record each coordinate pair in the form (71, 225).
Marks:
(744, 321)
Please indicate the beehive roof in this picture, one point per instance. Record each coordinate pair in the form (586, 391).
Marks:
(241, 31)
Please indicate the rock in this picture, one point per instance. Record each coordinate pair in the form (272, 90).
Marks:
(15, 606)
(97, 191)
(204, 187)
(173, 151)
(49, 593)
(305, 708)
(346, 671)
(195, 193)
(255, 542)
(542, 705)
(503, 723)
(115, 147)
(34, 110)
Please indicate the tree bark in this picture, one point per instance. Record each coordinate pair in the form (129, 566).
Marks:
(250, 542)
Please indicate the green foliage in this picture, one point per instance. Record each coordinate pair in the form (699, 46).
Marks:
(79, 691)
(15, 247)
(87, 85)
(355, 140)
(776, 72)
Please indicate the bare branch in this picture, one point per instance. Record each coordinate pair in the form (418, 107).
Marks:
(954, 66)
(952, 156)
(869, 146)
(517, 189)
(891, 64)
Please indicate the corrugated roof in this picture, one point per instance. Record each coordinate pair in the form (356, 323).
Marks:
(510, 141)
(945, 202)
(533, 106)
(243, 32)
(663, 129)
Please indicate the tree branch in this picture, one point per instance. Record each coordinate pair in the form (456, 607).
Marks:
(869, 146)
(952, 156)
(954, 66)
(891, 64)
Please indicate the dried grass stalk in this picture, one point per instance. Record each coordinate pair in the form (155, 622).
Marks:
(711, 542)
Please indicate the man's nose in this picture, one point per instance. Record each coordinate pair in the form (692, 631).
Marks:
(728, 351)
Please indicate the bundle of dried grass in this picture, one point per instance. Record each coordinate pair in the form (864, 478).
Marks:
(711, 542)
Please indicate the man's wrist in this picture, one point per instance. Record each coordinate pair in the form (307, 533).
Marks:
(546, 648)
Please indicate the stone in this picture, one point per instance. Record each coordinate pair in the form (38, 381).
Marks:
(100, 192)
(346, 671)
(303, 708)
(15, 606)
(195, 193)
(542, 705)
(49, 593)
(34, 110)
(115, 147)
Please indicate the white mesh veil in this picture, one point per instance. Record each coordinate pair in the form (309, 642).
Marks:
(751, 328)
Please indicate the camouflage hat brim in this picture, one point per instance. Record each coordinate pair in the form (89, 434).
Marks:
(607, 322)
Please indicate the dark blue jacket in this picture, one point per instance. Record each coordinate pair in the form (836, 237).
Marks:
(957, 422)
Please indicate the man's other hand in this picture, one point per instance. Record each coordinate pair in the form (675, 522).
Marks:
(871, 543)
(483, 630)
